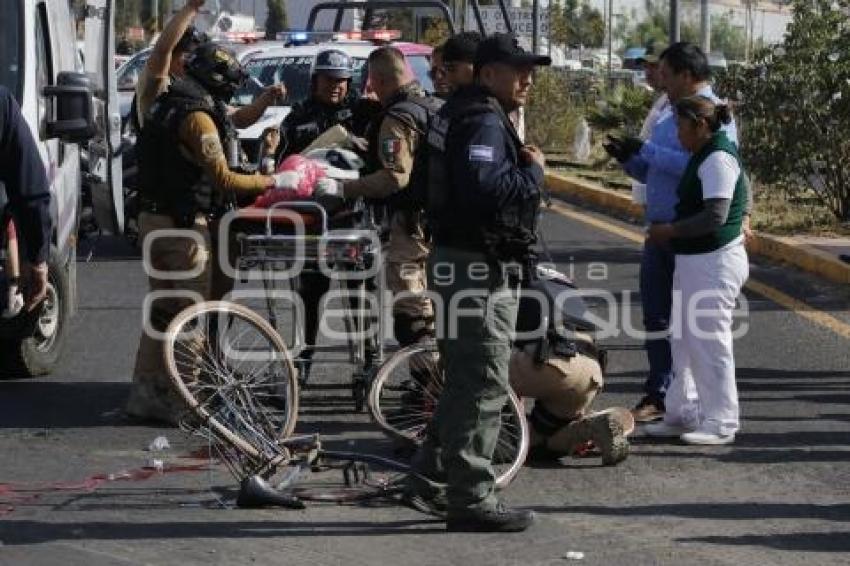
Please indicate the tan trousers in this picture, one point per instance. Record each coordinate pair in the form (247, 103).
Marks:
(565, 387)
(151, 393)
(406, 271)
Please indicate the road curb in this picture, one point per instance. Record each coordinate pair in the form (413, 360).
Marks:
(776, 248)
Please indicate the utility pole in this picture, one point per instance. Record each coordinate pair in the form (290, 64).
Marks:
(610, 37)
(705, 27)
(535, 15)
(155, 14)
(675, 28)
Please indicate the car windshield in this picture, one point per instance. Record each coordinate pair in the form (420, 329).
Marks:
(128, 74)
(421, 65)
(293, 71)
(11, 72)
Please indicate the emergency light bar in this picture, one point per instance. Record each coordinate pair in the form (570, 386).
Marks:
(243, 36)
(375, 35)
(303, 37)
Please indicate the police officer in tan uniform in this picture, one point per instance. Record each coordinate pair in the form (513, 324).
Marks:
(393, 140)
(186, 182)
(167, 63)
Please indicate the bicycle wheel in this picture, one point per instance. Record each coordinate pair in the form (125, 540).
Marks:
(404, 396)
(236, 375)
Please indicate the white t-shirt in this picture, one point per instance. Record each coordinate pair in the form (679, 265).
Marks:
(719, 174)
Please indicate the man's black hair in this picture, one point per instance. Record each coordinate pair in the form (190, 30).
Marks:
(462, 47)
(684, 56)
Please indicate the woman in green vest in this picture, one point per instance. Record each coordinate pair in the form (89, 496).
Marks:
(711, 268)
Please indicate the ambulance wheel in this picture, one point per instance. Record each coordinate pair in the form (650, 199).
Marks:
(36, 349)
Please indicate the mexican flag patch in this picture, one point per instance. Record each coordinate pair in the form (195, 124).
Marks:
(390, 148)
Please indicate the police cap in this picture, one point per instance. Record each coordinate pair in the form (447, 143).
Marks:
(504, 48)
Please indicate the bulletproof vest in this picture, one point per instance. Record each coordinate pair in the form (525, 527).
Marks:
(309, 119)
(511, 231)
(416, 111)
(550, 309)
(411, 107)
(169, 181)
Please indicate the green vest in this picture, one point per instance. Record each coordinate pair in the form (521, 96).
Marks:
(691, 201)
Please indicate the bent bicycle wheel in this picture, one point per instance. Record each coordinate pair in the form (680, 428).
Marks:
(404, 396)
(236, 375)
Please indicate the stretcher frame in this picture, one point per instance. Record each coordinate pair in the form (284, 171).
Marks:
(347, 255)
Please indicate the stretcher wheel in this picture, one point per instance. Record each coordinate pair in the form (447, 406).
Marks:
(405, 394)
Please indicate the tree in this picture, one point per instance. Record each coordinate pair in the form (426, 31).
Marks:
(652, 29)
(276, 20)
(726, 38)
(795, 106)
(576, 26)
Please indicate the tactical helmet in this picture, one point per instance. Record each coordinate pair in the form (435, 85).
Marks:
(333, 63)
(217, 69)
(191, 39)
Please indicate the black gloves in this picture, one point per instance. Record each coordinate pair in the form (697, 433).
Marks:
(631, 146)
(622, 149)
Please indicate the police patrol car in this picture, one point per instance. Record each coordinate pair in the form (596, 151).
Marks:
(292, 61)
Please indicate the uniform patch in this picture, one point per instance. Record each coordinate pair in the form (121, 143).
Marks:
(211, 146)
(481, 153)
(390, 148)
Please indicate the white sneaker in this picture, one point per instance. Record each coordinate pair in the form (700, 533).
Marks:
(667, 430)
(707, 438)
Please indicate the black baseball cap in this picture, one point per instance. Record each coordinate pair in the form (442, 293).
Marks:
(505, 48)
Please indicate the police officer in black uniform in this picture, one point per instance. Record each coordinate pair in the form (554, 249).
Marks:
(28, 192)
(331, 102)
(484, 195)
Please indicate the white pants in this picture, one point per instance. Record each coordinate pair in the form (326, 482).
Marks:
(703, 393)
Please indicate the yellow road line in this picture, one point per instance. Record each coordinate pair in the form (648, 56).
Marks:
(797, 306)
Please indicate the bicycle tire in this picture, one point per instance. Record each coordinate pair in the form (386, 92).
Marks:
(265, 413)
(408, 425)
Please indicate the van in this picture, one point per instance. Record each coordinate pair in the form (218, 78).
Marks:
(71, 110)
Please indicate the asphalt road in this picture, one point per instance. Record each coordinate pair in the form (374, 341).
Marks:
(779, 495)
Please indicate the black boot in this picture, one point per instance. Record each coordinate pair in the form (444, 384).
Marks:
(489, 519)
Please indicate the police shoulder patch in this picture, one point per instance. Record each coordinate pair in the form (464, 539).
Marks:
(482, 153)
(211, 146)
(390, 148)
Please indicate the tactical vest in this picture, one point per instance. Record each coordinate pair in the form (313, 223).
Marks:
(509, 234)
(416, 111)
(308, 120)
(169, 182)
(691, 201)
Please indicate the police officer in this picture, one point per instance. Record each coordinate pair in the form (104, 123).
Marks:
(329, 104)
(28, 193)
(185, 181)
(484, 195)
(459, 58)
(393, 139)
(167, 63)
